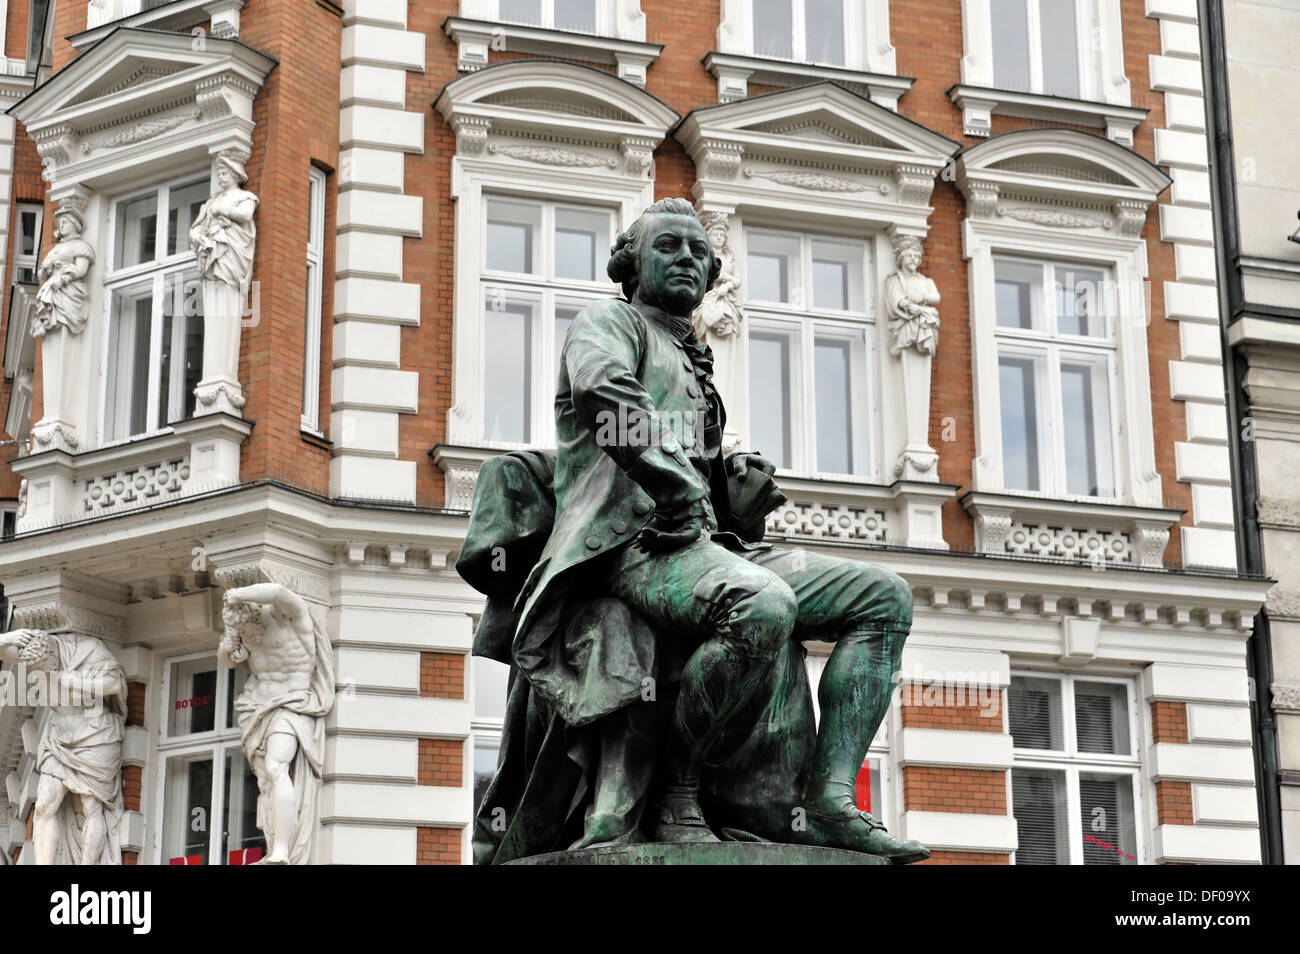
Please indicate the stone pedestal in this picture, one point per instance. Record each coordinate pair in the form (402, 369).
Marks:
(60, 370)
(223, 313)
(719, 853)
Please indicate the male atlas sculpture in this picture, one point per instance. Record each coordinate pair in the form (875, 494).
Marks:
(658, 690)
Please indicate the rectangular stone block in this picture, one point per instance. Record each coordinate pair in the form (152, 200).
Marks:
(370, 478)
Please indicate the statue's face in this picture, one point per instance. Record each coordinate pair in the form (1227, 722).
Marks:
(225, 178)
(673, 268)
(910, 258)
(65, 226)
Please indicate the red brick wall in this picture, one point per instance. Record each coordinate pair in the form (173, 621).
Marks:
(136, 694)
(1174, 803)
(437, 846)
(967, 858)
(1168, 721)
(442, 762)
(922, 708)
(442, 675)
(930, 788)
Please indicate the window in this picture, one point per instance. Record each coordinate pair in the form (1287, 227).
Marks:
(490, 691)
(576, 16)
(209, 792)
(154, 350)
(312, 343)
(809, 351)
(38, 12)
(1037, 46)
(28, 220)
(1074, 779)
(811, 31)
(543, 262)
(1056, 350)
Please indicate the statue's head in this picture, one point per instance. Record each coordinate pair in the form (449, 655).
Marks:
(230, 172)
(665, 258)
(907, 252)
(68, 223)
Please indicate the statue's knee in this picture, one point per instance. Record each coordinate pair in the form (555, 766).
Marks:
(895, 597)
(771, 613)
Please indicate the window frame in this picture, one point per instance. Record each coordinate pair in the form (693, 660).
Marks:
(547, 293)
(1084, 12)
(1049, 348)
(851, 25)
(604, 18)
(160, 273)
(33, 261)
(1073, 762)
(311, 385)
(813, 323)
(216, 743)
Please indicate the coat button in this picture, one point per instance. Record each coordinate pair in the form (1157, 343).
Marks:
(593, 543)
(670, 446)
(619, 527)
(686, 363)
(640, 508)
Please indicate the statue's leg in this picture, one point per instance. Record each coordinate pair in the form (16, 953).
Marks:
(95, 832)
(45, 825)
(867, 612)
(281, 748)
(740, 614)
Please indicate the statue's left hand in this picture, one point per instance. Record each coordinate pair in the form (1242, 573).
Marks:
(741, 464)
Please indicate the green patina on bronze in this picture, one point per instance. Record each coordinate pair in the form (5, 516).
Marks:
(658, 690)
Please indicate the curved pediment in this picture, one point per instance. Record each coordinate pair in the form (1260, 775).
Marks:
(1052, 155)
(541, 95)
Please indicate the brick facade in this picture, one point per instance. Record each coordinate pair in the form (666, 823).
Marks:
(442, 675)
(438, 846)
(1168, 721)
(441, 762)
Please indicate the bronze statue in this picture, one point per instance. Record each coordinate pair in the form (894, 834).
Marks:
(658, 690)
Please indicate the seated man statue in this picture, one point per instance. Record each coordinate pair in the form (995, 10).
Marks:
(647, 510)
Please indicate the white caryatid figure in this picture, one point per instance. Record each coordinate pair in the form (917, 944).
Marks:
(62, 308)
(718, 319)
(79, 794)
(224, 239)
(910, 298)
(282, 709)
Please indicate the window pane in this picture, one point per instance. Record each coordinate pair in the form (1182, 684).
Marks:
(490, 686)
(772, 269)
(1010, 44)
(192, 705)
(183, 205)
(1014, 287)
(511, 234)
(242, 842)
(581, 244)
(508, 383)
(127, 398)
(1034, 713)
(1085, 408)
(769, 396)
(1080, 302)
(137, 230)
(187, 804)
(182, 348)
(27, 232)
(485, 766)
(824, 31)
(773, 28)
(868, 788)
(1060, 37)
(1038, 802)
(830, 284)
(1101, 717)
(1019, 423)
(521, 11)
(1106, 803)
(834, 406)
(576, 15)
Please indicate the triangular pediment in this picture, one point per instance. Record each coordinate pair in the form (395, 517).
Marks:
(130, 70)
(821, 118)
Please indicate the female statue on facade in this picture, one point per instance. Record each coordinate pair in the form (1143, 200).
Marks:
(910, 298)
(223, 235)
(63, 299)
(718, 318)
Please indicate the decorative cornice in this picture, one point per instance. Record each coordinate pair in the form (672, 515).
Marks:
(550, 155)
(1055, 217)
(817, 182)
(1132, 215)
(721, 159)
(638, 152)
(141, 132)
(55, 616)
(309, 586)
(471, 134)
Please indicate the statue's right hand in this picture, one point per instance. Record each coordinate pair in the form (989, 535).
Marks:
(670, 531)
